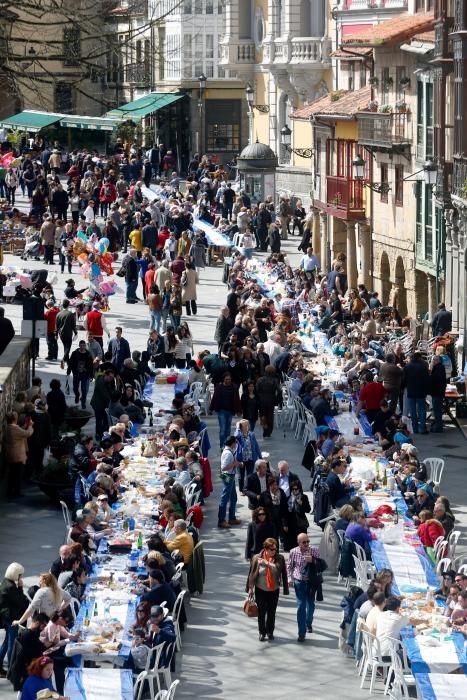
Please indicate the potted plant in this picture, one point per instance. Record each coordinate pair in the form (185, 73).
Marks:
(336, 199)
(373, 81)
(404, 82)
(55, 481)
(385, 109)
(401, 106)
(372, 106)
(76, 418)
(388, 82)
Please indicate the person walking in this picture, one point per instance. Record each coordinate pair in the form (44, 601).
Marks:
(48, 239)
(66, 329)
(131, 276)
(224, 325)
(81, 366)
(104, 387)
(11, 183)
(229, 464)
(248, 451)
(50, 314)
(189, 280)
(13, 603)
(268, 392)
(60, 203)
(416, 380)
(267, 571)
(297, 570)
(226, 403)
(155, 308)
(16, 450)
(437, 390)
(119, 347)
(95, 324)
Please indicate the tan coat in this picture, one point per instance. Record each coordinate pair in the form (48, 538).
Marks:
(189, 290)
(48, 233)
(55, 161)
(17, 443)
(162, 276)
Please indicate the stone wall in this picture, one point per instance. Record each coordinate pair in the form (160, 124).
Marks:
(296, 182)
(14, 377)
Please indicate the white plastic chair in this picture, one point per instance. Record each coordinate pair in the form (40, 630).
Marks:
(66, 517)
(453, 539)
(171, 691)
(462, 569)
(152, 672)
(176, 618)
(399, 665)
(441, 548)
(363, 572)
(74, 607)
(360, 552)
(435, 468)
(444, 564)
(190, 489)
(373, 659)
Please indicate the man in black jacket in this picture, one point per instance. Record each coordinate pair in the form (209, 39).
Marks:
(81, 366)
(223, 327)
(321, 406)
(438, 389)
(339, 493)
(442, 321)
(256, 483)
(7, 332)
(416, 379)
(131, 277)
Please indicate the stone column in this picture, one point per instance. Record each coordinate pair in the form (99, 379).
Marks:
(455, 278)
(364, 236)
(316, 234)
(448, 274)
(351, 255)
(323, 227)
(431, 295)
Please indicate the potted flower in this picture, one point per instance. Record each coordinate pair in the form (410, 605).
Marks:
(401, 106)
(385, 109)
(372, 106)
(373, 80)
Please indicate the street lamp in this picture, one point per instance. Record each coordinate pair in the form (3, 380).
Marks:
(430, 174)
(358, 165)
(202, 85)
(250, 98)
(286, 140)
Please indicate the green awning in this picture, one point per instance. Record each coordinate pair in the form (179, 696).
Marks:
(31, 120)
(145, 105)
(75, 121)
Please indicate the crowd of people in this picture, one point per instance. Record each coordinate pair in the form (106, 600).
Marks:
(264, 334)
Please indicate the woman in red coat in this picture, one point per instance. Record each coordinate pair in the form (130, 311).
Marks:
(429, 530)
(107, 195)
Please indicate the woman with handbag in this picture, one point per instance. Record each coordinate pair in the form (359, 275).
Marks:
(267, 571)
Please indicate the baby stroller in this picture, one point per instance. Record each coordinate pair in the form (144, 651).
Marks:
(32, 247)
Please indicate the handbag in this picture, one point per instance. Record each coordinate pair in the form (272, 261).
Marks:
(150, 449)
(250, 608)
(184, 279)
(121, 272)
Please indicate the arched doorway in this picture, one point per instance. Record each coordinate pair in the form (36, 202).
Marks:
(385, 274)
(399, 277)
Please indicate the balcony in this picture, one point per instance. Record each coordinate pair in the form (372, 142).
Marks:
(374, 4)
(300, 51)
(235, 54)
(138, 74)
(344, 198)
(459, 177)
(383, 130)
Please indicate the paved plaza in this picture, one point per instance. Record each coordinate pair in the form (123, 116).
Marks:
(221, 655)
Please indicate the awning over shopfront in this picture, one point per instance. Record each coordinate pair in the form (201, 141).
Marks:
(31, 120)
(75, 121)
(143, 106)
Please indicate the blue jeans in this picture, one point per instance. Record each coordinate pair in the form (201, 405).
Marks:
(305, 606)
(175, 320)
(437, 403)
(81, 381)
(155, 320)
(131, 290)
(7, 646)
(228, 498)
(417, 411)
(225, 425)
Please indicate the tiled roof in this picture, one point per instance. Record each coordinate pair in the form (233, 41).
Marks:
(392, 31)
(350, 53)
(347, 104)
(428, 37)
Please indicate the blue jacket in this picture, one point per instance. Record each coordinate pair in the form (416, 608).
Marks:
(121, 354)
(255, 450)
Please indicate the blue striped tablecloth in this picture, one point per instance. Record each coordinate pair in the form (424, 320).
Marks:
(99, 684)
(441, 686)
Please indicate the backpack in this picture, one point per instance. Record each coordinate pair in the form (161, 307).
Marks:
(107, 191)
(321, 502)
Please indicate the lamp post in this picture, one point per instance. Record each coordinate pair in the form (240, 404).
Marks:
(202, 85)
(286, 140)
(358, 166)
(250, 98)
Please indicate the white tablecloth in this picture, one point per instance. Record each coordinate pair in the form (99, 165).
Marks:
(442, 657)
(99, 684)
(405, 565)
(442, 686)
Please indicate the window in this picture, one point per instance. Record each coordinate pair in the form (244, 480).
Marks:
(220, 7)
(209, 46)
(384, 181)
(399, 186)
(385, 80)
(187, 8)
(424, 120)
(71, 46)
(198, 7)
(223, 118)
(351, 76)
(318, 157)
(362, 74)
(63, 98)
(187, 47)
(401, 73)
(209, 7)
